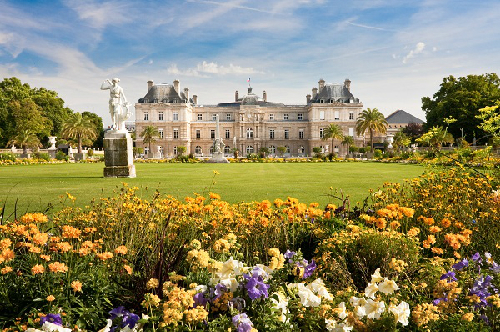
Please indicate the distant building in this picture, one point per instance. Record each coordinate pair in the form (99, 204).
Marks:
(248, 123)
(400, 119)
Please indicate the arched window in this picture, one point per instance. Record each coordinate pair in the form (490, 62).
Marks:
(197, 150)
(272, 149)
(227, 149)
(301, 149)
(211, 149)
(249, 133)
(175, 150)
(249, 149)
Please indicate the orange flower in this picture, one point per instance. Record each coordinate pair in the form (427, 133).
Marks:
(57, 267)
(77, 286)
(413, 231)
(437, 251)
(6, 270)
(434, 229)
(70, 232)
(445, 222)
(34, 217)
(37, 269)
(64, 247)
(121, 250)
(5, 243)
(50, 298)
(128, 269)
(40, 238)
(7, 255)
(46, 257)
(105, 256)
(214, 196)
(381, 223)
(394, 225)
(35, 250)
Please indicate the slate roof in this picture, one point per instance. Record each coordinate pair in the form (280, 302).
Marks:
(335, 93)
(401, 116)
(163, 93)
(250, 99)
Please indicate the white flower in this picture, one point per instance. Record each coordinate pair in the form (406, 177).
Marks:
(318, 287)
(374, 309)
(201, 288)
(266, 271)
(230, 268)
(307, 297)
(51, 327)
(343, 313)
(370, 290)
(376, 277)
(401, 312)
(333, 326)
(388, 286)
(231, 284)
(281, 304)
(358, 304)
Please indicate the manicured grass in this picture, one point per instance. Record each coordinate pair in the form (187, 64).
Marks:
(36, 186)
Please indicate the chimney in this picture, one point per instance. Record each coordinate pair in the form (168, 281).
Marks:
(150, 84)
(308, 97)
(176, 86)
(347, 84)
(195, 99)
(186, 93)
(236, 96)
(321, 84)
(264, 96)
(315, 92)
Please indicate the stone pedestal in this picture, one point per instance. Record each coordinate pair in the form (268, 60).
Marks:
(218, 157)
(118, 155)
(52, 152)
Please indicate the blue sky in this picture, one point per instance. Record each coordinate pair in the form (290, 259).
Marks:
(394, 52)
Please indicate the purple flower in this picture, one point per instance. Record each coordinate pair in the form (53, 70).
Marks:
(477, 258)
(117, 312)
(130, 320)
(309, 269)
(200, 300)
(495, 268)
(238, 303)
(127, 318)
(52, 318)
(242, 322)
(460, 265)
(256, 287)
(450, 276)
(289, 255)
(219, 290)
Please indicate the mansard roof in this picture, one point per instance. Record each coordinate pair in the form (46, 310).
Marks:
(164, 93)
(401, 116)
(336, 93)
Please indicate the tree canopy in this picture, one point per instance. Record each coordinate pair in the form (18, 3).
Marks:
(373, 121)
(461, 98)
(79, 127)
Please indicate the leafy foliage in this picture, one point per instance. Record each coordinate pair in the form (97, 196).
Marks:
(373, 121)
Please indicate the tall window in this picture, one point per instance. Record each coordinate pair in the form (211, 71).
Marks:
(271, 116)
(351, 132)
(227, 149)
(321, 132)
(287, 149)
(300, 116)
(228, 116)
(351, 115)
(175, 150)
(176, 133)
(250, 133)
(287, 133)
(198, 150)
(301, 133)
(272, 149)
(249, 149)
(271, 133)
(198, 133)
(337, 115)
(160, 133)
(214, 117)
(200, 116)
(301, 150)
(228, 134)
(176, 116)
(146, 116)
(212, 133)
(285, 116)
(321, 115)
(160, 116)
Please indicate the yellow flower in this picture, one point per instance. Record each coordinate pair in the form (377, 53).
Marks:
(152, 283)
(50, 298)
(468, 317)
(121, 250)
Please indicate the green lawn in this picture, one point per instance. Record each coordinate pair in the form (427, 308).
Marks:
(35, 186)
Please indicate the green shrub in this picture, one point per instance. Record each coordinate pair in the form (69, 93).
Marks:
(8, 156)
(90, 152)
(42, 156)
(377, 154)
(353, 149)
(61, 156)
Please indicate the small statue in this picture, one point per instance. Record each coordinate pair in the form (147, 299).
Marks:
(119, 108)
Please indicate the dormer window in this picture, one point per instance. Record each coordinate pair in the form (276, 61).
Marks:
(155, 100)
(321, 101)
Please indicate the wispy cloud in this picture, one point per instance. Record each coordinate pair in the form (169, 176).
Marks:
(419, 48)
(368, 27)
(232, 5)
(207, 69)
(99, 15)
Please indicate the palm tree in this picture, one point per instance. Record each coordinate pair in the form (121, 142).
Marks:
(79, 127)
(149, 135)
(401, 140)
(25, 139)
(436, 137)
(373, 121)
(333, 131)
(348, 140)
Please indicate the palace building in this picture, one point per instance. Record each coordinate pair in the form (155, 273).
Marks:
(248, 123)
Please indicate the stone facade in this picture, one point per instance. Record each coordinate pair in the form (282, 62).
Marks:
(248, 123)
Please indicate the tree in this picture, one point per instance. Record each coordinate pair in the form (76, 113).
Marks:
(149, 135)
(263, 152)
(97, 120)
(413, 131)
(373, 121)
(281, 150)
(180, 150)
(401, 139)
(25, 139)
(333, 131)
(436, 137)
(461, 99)
(79, 127)
(348, 141)
(490, 117)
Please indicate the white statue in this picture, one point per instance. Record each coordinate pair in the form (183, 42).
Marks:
(119, 108)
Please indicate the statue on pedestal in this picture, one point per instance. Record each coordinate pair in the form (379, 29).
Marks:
(218, 146)
(119, 108)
